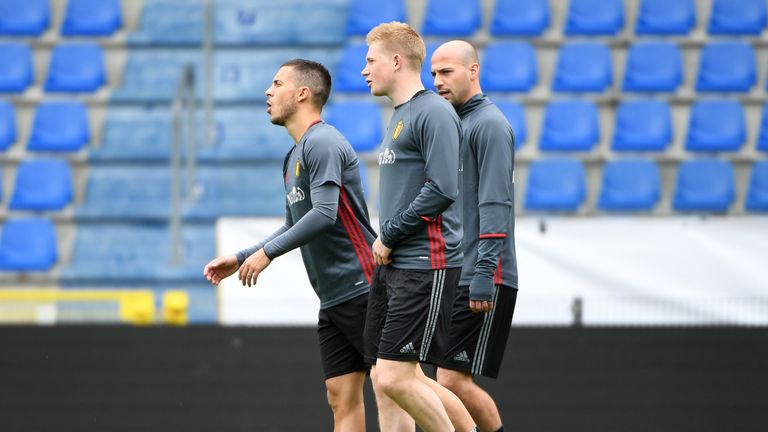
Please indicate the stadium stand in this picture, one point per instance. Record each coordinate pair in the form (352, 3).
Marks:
(594, 17)
(738, 74)
(630, 185)
(59, 126)
(76, 67)
(452, 18)
(704, 185)
(757, 192)
(426, 71)
(24, 18)
(570, 125)
(515, 114)
(16, 71)
(28, 244)
(366, 14)
(347, 78)
(92, 18)
(359, 122)
(665, 17)
(509, 67)
(7, 125)
(520, 17)
(653, 67)
(737, 17)
(583, 67)
(642, 125)
(555, 185)
(42, 185)
(716, 125)
(762, 140)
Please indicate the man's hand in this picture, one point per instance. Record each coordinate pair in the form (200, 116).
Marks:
(480, 305)
(220, 268)
(252, 266)
(381, 253)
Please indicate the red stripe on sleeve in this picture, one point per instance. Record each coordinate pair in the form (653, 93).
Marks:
(492, 236)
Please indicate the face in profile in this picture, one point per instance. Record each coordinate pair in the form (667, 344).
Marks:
(281, 96)
(452, 78)
(378, 69)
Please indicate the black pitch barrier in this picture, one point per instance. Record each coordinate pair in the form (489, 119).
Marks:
(94, 378)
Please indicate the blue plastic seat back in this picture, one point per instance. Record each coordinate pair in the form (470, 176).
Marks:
(738, 74)
(452, 18)
(256, 191)
(762, 140)
(126, 192)
(76, 67)
(24, 18)
(555, 185)
(594, 17)
(583, 67)
(154, 74)
(170, 22)
(643, 125)
(705, 185)
(570, 125)
(347, 78)
(28, 245)
(359, 122)
(367, 14)
(42, 185)
(520, 17)
(666, 17)
(757, 191)
(509, 66)
(60, 126)
(716, 125)
(426, 69)
(515, 114)
(630, 185)
(738, 17)
(16, 68)
(92, 18)
(7, 125)
(653, 67)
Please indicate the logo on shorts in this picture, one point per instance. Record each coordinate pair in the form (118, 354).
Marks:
(408, 349)
(462, 357)
(295, 195)
(387, 157)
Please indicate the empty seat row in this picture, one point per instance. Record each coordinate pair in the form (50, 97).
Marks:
(583, 17)
(58, 126)
(81, 17)
(28, 245)
(704, 185)
(587, 67)
(42, 185)
(74, 67)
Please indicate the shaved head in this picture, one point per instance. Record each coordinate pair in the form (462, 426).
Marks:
(458, 51)
(456, 69)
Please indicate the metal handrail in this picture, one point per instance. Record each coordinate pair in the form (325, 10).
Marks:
(184, 100)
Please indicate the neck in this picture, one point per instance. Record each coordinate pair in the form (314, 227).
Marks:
(474, 91)
(299, 123)
(405, 88)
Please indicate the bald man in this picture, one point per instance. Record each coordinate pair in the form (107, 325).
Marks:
(485, 301)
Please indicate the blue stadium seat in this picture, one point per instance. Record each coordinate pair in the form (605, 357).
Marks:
(738, 74)
(520, 17)
(583, 67)
(76, 68)
(154, 74)
(737, 17)
(169, 22)
(134, 134)
(126, 193)
(347, 78)
(7, 125)
(24, 18)
(16, 69)
(515, 114)
(42, 185)
(594, 17)
(28, 245)
(238, 191)
(757, 192)
(630, 185)
(571, 125)
(716, 126)
(704, 185)
(144, 255)
(92, 18)
(426, 70)
(367, 14)
(303, 22)
(358, 121)
(666, 17)
(452, 18)
(239, 135)
(762, 140)
(509, 66)
(555, 185)
(653, 67)
(59, 126)
(642, 125)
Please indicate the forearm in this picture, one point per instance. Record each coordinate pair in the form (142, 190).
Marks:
(245, 253)
(428, 204)
(494, 223)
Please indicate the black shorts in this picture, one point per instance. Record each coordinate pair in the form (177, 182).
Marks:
(477, 340)
(340, 330)
(409, 313)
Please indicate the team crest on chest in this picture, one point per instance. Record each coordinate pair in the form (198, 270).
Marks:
(398, 128)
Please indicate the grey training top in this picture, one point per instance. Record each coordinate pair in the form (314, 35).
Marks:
(419, 180)
(332, 229)
(488, 197)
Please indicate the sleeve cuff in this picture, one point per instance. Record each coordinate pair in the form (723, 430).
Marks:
(482, 288)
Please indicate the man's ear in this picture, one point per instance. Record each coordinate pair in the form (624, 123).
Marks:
(474, 71)
(303, 94)
(398, 60)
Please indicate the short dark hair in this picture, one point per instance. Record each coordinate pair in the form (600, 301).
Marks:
(313, 75)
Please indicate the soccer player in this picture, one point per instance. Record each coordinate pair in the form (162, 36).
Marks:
(419, 247)
(326, 216)
(485, 301)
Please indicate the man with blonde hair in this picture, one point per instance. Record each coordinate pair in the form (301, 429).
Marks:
(483, 308)
(418, 250)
